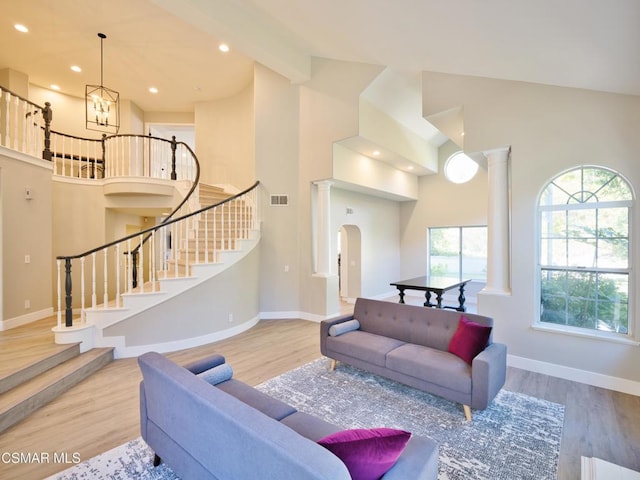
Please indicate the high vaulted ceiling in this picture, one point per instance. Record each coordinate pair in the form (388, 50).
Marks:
(173, 44)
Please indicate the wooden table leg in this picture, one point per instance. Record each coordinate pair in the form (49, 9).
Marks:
(461, 299)
(401, 290)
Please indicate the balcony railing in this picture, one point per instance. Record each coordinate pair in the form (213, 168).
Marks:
(24, 126)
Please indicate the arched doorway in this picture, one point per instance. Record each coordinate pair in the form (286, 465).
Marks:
(349, 262)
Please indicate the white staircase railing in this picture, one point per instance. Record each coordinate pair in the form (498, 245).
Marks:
(22, 124)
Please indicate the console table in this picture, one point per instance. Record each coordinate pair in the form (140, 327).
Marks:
(437, 285)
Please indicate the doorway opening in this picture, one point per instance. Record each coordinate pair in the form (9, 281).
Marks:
(349, 263)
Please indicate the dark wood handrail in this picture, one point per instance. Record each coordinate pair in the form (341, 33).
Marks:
(157, 227)
(148, 232)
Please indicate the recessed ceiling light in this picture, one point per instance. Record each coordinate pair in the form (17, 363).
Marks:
(223, 47)
(54, 87)
(21, 28)
(410, 167)
(76, 68)
(153, 89)
(376, 153)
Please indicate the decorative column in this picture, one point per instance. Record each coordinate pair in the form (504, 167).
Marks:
(499, 247)
(323, 267)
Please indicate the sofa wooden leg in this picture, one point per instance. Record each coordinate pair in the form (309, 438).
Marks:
(467, 412)
(156, 460)
(332, 366)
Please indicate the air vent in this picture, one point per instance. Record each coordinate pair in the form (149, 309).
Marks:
(280, 200)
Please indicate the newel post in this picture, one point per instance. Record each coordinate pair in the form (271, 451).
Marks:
(47, 115)
(67, 293)
(174, 175)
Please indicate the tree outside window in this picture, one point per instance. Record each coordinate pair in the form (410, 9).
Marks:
(458, 253)
(584, 217)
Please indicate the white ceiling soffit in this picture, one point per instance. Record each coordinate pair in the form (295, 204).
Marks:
(252, 33)
(591, 44)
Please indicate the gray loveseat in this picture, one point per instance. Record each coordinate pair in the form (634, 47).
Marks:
(233, 431)
(410, 344)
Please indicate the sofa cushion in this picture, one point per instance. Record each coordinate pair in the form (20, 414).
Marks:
(365, 346)
(469, 339)
(344, 327)
(268, 405)
(367, 453)
(309, 426)
(431, 365)
(217, 374)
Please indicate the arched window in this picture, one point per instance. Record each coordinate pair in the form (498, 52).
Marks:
(584, 223)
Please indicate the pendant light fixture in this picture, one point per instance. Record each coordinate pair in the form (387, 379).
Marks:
(102, 105)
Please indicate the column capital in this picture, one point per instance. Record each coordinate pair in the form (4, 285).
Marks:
(497, 155)
(323, 185)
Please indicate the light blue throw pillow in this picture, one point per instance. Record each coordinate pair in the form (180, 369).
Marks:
(344, 327)
(218, 374)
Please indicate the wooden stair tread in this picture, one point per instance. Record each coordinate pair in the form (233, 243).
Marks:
(20, 365)
(24, 399)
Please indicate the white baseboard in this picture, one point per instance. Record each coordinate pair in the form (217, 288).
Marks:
(569, 373)
(134, 351)
(312, 317)
(24, 319)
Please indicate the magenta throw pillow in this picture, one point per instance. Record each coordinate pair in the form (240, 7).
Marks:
(367, 453)
(469, 339)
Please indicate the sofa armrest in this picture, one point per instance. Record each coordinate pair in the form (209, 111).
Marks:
(488, 374)
(204, 364)
(418, 461)
(325, 325)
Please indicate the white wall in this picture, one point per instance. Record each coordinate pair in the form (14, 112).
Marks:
(277, 153)
(26, 226)
(225, 140)
(440, 204)
(550, 129)
(378, 220)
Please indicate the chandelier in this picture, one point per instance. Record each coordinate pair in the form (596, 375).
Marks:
(102, 106)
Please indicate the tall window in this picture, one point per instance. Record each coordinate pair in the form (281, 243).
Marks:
(584, 265)
(459, 253)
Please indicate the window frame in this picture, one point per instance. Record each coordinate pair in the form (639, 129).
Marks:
(460, 256)
(630, 335)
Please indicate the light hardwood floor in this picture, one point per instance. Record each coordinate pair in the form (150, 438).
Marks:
(102, 411)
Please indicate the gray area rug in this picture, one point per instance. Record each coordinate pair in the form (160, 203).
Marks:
(516, 438)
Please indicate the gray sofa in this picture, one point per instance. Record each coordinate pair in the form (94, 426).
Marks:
(233, 431)
(409, 344)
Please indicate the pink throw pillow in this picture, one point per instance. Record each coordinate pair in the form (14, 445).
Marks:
(469, 339)
(367, 453)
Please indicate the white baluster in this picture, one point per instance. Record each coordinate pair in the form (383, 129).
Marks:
(15, 123)
(206, 236)
(141, 264)
(117, 260)
(94, 298)
(174, 247)
(214, 229)
(152, 260)
(196, 226)
(222, 239)
(82, 314)
(229, 240)
(25, 122)
(105, 295)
